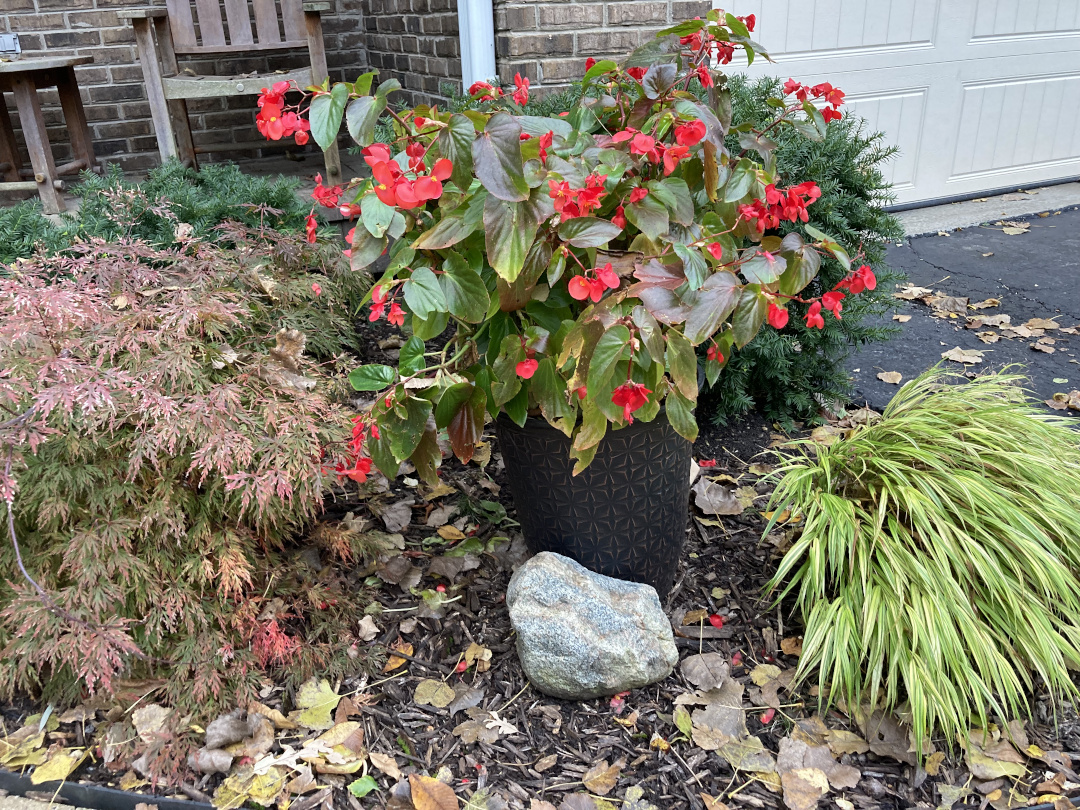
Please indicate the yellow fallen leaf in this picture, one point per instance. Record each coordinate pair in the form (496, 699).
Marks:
(890, 377)
(395, 661)
(280, 721)
(792, 645)
(59, 765)
(763, 673)
(451, 533)
(934, 762)
(317, 700)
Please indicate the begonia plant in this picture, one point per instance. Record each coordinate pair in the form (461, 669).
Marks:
(579, 258)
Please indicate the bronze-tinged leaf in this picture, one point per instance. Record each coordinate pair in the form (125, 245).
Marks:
(467, 426)
(657, 274)
(602, 778)
(431, 794)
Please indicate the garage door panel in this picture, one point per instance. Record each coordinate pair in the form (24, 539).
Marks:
(978, 94)
(1008, 125)
(824, 29)
(1011, 19)
(902, 112)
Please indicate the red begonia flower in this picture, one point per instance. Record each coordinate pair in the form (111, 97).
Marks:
(778, 316)
(813, 316)
(630, 396)
(526, 368)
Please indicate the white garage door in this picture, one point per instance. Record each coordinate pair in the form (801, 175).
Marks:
(978, 94)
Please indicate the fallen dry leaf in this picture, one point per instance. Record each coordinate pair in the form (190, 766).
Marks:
(1062, 402)
(891, 377)
(885, 735)
(949, 304)
(449, 532)
(911, 292)
(386, 764)
(397, 515)
(901, 318)
(706, 671)
(934, 762)
(368, 629)
(59, 765)
(431, 794)
(841, 741)
(714, 498)
(317, 701)
(792, 645)
(1041, 323)
(979, 321)
(989, 302)
(1046, 348)
(965, 356)
(602, 778)
(479, 655)
(988, 337)
(395, 661)
(431, 692)
(712, 802)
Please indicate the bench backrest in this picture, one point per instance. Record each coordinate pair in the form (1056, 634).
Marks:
(248, 25)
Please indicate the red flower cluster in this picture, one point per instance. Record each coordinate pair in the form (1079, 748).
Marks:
(724, 50)
(813, 316)
(379, 300)
(778, 316)
(394, 188)
(630, 396)
(652, 149)
(361, 466)
(593, 283)
(690, 134)
(714, 353)
(781, 205)
(577, 202)
(482, 91)
(273, 122)
(861, 279)
(636, 73)
(521, 94)
(832, 95)
(326, 197)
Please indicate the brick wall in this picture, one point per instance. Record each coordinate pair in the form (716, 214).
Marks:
(549, 40)
(113, 90)
(415, 42)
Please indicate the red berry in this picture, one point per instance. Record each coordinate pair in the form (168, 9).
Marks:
(462, 665)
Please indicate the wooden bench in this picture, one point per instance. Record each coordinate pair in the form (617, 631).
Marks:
(23, 78)
(162, 34)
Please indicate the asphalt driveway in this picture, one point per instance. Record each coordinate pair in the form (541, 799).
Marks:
(1033, 270)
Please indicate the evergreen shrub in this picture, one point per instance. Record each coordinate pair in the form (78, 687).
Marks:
(111, 207)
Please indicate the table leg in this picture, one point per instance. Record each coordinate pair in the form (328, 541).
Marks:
(37, 143)
(75, 117)
(9, 150)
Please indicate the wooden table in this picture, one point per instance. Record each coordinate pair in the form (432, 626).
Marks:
(24, 77)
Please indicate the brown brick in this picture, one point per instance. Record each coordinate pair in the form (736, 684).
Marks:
(93, 19)
(562, 70)
(37, 22)
(117, 92)
(578, 15)
(122, 129)
(118, 36)
(534, 45)
(515, 18)
(72, 39)
(689, 9)
(616, 43)
(19, 5)
(637, 13)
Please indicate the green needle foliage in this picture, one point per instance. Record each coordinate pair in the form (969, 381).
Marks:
(939, 554)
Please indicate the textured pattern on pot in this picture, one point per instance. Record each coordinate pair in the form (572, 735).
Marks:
(623, 516)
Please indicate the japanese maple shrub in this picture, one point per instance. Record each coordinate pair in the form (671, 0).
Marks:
(580, 258)
(165, 432)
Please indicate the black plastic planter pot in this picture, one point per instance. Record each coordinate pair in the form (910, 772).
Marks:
(624, 516)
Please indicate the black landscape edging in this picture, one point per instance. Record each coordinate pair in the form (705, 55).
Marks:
(95, 796)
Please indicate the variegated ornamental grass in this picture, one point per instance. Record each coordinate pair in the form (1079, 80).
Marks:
(939, 554)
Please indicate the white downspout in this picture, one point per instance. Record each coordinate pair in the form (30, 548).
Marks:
(476, 37)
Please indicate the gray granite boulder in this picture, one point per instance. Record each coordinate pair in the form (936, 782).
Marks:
(582, 635)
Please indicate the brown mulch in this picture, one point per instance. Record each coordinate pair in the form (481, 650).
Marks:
(723, 570)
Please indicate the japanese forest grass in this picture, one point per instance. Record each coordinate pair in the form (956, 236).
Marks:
(939, 555)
